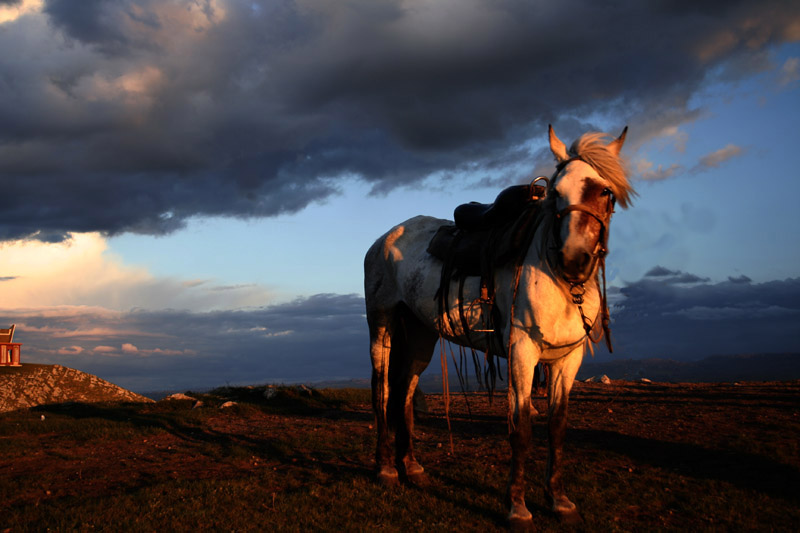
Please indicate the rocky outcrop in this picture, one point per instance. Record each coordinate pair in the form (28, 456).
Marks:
(31, 385)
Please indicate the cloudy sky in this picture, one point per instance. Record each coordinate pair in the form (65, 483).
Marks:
(189, 186)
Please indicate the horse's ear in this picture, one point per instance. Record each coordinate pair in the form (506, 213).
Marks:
(616, 145)
(557, 147)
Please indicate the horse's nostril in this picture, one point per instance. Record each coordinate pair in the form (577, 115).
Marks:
(575, 264)
(585, 260)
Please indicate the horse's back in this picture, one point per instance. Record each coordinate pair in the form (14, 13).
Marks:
(406, 240)
(397, 266)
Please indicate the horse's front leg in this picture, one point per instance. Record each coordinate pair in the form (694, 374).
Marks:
(562, 376)
(522, 361)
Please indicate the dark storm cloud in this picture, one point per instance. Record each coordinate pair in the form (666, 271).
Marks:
(670, 277)
(679, 315)
(325, 337)
(91, 21)
(132, 115)
(315, 338)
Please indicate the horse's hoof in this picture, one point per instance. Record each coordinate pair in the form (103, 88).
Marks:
(565, 510)
(570, 518)
(387, 476)
(415, 475)
(520, 524)
(520, 518)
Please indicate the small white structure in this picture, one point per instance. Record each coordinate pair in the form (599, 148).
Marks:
(9, 350)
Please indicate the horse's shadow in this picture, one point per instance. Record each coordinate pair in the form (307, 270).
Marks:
(744, 470)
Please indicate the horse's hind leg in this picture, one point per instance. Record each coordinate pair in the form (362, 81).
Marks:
(380, 334)
(418, 343)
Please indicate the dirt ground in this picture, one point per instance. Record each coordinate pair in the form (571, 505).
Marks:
(639, 456)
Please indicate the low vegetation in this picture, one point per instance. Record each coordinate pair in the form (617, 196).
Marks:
(639, 457)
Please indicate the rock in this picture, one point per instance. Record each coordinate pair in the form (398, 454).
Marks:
(228, 404)
(198, 404)
(270, 393)
(180, 396)
(605, 380)
(645, 380)
(589, 380)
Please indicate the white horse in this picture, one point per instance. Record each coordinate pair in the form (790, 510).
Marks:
(548, 303)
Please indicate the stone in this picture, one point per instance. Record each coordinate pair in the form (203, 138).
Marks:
(180, 396)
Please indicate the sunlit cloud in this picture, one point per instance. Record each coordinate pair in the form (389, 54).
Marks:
(11, 11)
(83, 272)
(648, 171)
(677, 137)
(789, 72)
(715, 159)
(104, 349)
(70, 350)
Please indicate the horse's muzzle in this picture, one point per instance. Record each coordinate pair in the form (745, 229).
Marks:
(576, 266)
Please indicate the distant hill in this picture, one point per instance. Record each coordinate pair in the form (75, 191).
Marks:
(31, 385)
(717, 368)
(714, 369)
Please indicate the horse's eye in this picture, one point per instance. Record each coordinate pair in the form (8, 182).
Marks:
(606, 192)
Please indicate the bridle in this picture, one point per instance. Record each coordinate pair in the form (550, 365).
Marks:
(603, 218)
(577, 289)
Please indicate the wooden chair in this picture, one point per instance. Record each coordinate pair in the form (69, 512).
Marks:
(9, 350)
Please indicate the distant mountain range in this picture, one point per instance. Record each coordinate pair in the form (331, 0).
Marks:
(717, 368)
(713, 369)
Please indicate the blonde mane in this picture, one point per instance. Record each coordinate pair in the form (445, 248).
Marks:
(592, 148)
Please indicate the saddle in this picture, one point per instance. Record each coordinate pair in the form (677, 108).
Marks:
(476, 217)
(466, 244)
(484, 237)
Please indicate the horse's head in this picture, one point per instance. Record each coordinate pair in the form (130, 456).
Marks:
(589, 181)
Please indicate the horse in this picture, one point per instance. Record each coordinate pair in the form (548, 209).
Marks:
(547, 305)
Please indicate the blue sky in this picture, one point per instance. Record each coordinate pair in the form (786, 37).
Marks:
(191, 186)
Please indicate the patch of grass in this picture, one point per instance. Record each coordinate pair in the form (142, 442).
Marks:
(286, 399)
(348, 397)
(308, 466)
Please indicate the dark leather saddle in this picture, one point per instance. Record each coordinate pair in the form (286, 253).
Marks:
(467, 244)
(476, 217)
(483, 237)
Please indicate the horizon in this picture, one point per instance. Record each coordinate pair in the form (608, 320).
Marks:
(189, 190)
